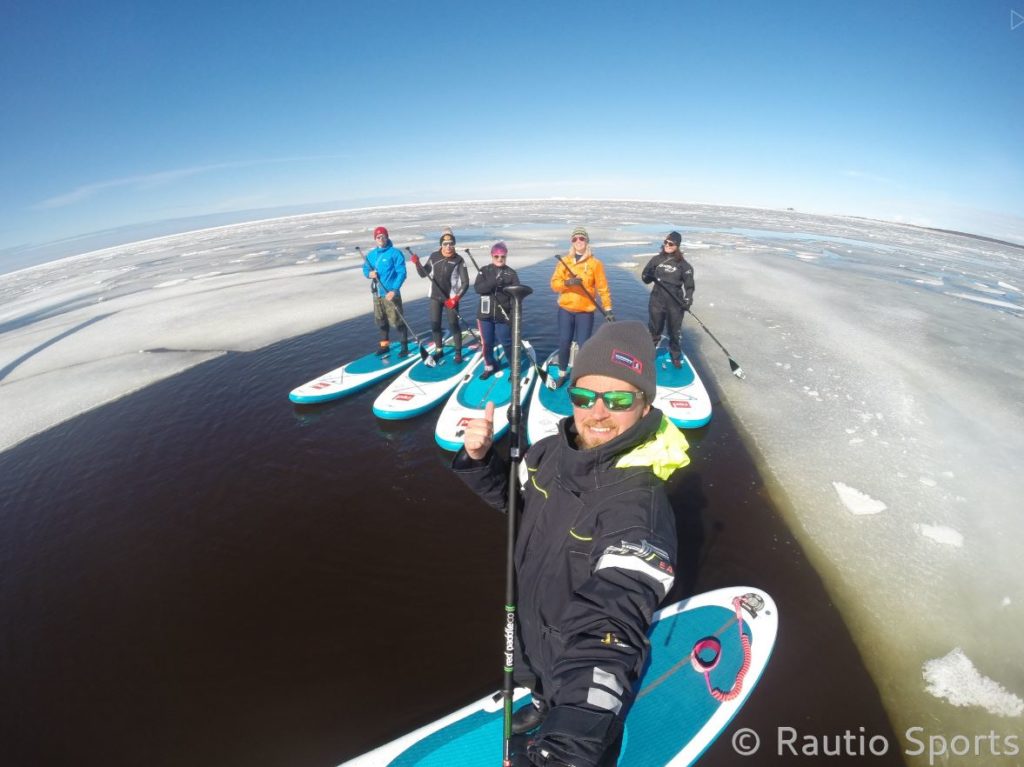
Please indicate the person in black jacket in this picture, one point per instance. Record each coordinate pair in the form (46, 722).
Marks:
(596, 548)
(449, 282)
(495, 306)
(671, 296)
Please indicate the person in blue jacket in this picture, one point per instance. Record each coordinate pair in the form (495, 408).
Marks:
(385, 266)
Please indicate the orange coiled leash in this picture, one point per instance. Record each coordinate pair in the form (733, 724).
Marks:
(714, 646)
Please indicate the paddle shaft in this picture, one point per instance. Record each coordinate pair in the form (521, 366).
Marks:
(475, 264)
(515, 417)
(589, 294)
(733, 364)
(373, 282)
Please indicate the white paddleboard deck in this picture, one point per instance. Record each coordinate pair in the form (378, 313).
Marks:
(354, 376)
(674, 718)
(422, 386)
(680, 393)
(473, 393)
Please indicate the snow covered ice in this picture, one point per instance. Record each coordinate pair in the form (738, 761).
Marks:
(884, 380)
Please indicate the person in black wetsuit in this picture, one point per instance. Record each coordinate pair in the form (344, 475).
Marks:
(449, 283)
(671, 296)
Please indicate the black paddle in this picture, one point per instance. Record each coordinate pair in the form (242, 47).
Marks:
(475, 265)
(515, 417)
(373, 282)
(607, 315)
(373, 292)
(734, 366)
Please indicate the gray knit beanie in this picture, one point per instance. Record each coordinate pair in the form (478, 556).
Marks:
(622, 350)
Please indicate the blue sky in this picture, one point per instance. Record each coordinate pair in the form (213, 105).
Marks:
(119, 113)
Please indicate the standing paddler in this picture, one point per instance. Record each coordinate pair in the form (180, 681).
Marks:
(672, 276)
(449, 280)
(385, 266)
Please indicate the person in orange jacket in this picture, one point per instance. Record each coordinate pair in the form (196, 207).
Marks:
(575, 307)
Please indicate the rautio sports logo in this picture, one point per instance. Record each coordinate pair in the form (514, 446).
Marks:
(404, 397)
(627, 360)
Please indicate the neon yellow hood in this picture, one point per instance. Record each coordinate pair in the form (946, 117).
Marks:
(665, 453)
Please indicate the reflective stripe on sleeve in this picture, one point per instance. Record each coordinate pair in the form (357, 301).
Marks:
(653, 567)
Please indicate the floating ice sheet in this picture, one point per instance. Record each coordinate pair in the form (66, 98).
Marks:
(857, 502)
(955, 679)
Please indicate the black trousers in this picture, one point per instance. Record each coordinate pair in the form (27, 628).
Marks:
(453, 324)
(666, 318)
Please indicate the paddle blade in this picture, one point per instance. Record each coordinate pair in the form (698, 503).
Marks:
(735, 368)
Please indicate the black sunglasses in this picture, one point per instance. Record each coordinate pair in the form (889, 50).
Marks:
(613, 400)
(669, 242)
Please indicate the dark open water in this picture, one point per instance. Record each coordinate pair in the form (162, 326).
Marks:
(203, 574)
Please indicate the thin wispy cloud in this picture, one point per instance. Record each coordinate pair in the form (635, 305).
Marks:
(161, 178)
(147, 181)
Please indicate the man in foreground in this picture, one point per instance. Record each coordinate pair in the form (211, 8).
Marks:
(596, 548)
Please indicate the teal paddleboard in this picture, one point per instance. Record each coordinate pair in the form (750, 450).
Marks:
(675, 716)
(354, 376)
(548, 405)
(428, 382)
(473, 392)
(680, 393)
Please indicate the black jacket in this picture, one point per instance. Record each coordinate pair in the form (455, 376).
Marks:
(495, 304)
(672, 271)
(449, 276)
(594, 558)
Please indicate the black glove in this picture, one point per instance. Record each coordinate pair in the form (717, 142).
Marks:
(686, 302)
(574, 281)
(574, 736)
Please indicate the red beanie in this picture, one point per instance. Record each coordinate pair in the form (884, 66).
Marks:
(381, 230)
